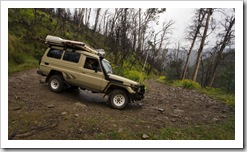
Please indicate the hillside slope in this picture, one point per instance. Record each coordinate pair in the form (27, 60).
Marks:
(28, 29)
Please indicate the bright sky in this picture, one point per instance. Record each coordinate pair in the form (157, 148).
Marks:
(182, 18)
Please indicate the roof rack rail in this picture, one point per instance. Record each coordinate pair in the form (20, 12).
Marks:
(57, 41)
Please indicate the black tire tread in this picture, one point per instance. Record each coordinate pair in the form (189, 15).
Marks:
(61, 83)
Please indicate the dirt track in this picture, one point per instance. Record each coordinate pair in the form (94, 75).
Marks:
(37, 113)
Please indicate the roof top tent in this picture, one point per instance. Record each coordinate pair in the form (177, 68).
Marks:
(57, 41)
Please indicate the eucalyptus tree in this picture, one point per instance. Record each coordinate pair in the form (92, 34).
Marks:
(223, 46)
(193, 32)
(209, 12)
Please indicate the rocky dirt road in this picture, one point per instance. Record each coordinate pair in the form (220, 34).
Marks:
(37, 113)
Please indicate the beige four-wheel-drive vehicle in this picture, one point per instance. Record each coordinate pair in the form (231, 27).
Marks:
(75, 64)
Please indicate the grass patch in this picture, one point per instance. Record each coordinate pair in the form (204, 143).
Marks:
(162, 79)
(225, 131)
(113, 135)
(227, 98)
(28, 63)
(134, 75)
(187, 84)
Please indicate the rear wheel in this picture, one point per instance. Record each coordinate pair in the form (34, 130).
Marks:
(118, 99)
(56, 83)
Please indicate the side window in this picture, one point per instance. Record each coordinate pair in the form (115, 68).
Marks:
(53, 53)
(71, 56)
(92, 64)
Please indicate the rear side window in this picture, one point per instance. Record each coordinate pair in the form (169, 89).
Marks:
(72, 57)
(53, 53)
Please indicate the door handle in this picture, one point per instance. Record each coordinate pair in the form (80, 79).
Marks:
(46, 63)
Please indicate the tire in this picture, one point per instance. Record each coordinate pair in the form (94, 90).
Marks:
(56, 83)
(118, 99)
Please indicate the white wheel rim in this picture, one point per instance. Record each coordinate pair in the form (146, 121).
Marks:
(118, 100)
(54, 84)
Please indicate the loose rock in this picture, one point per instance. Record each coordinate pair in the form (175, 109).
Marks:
(50, 106)
(17, 97)
(161, 110)
(215, 119)
(17, 108)
(79, 131)
(178, 111)
(224, 116)
(80, 104)
(64, 113)
(120, 129)
(145, 136)
(76, 115)
(173, 119)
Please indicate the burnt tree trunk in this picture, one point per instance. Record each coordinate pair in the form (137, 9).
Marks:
(198, 60)
(219, 57)
(201, 16)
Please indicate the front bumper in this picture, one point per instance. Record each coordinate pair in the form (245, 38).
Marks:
(139, 95)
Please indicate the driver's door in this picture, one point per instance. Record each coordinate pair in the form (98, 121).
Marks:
(91, 76)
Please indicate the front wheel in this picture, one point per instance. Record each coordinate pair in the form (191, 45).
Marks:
(56, 83)
(118, 99)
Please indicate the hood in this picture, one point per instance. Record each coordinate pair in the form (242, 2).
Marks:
(122, 79)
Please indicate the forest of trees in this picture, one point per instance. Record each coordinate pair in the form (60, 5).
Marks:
(130, 37)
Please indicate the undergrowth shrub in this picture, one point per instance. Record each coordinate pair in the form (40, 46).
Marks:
(134, 75)
(15, 50)
(117, 70)
(187, 84)
(228, 98)
(162, 79)
(38, 54)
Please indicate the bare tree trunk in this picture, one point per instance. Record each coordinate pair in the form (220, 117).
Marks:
(88, 18)
(139, 32)
(219, 57)
(81, 14)
(96, 19)
(35, 15)
(85, 19)
(105, 23)
(200, 19)
(198, 60)
(202, 75)
(187, 59)
(211, 80)
(124, 27)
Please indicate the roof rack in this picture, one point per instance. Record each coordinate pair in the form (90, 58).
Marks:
(57, 41)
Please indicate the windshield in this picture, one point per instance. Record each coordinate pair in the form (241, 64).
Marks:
(107, 66)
